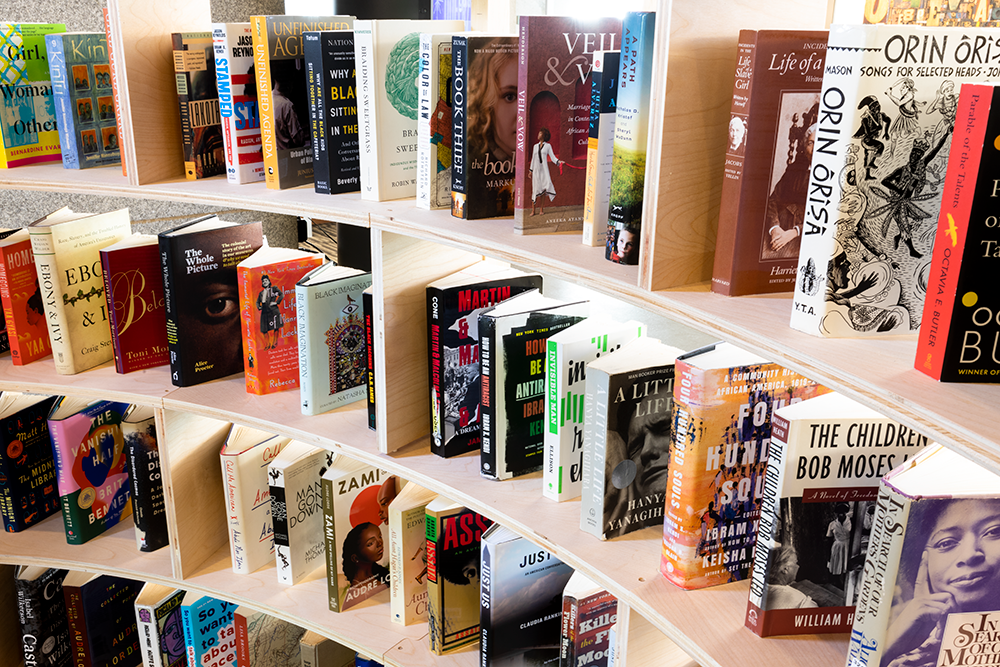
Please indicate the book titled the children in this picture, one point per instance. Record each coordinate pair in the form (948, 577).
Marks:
(240, 114)
(28, 493)
(198, 99)
(23, 312)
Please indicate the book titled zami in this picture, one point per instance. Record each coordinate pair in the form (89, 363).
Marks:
(198, 98)
(28, 493)
(240, 115)
(21, 296)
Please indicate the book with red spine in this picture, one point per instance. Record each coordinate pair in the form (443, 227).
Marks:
(23, 311)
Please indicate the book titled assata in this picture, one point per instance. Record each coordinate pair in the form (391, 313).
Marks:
(333, 110)
(198, 99)
(21, 296)
(142, 459)
(28, 493)
(600, 145)
(41, 611)
(158, 622)
(238, 108)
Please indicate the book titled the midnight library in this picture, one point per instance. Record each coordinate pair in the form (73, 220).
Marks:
(333, 110)
(28, 493)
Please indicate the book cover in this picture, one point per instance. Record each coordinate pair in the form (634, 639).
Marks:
(263, 640)
(368, 307)
(521, 600)
(133, 284)
(41, 612)
(201, 295)
(84, 101)
(113, 72)
(142, 460)
(408, 554)
(589, 615)
(880, 160)
(483, 125)
(434, 122)
(514, 337)
(600, 145)
(158, 622)
(209, 631)
(628, 160)
(454, 533)
(28, 491)
(284, 96)
(66, 247)
(724, 399)
(102, 624)
(297, 509)
(91, 475)
(453, 307)
(198, 99)
(332, 349)
(930, 587)
(333, 110)
(920, 12)
(554, 89)
(236, 83)
(318, 651)
(28, 125)
(267, 316)
(958, 329)
(567, 354)
(21, 297)
(772, 131)
(825, 459)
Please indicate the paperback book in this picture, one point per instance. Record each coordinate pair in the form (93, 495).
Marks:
(600, 145)
(239, 112)
(266, 641)
(589, 615)
(41, 612)
(142, 460)
(114, 78)
(21, 296)
(434, 122)
(297, 509)
(161, 631)
(408, 554)
(209, 631)
(318, 651)
(198, 99)
(101, 613)
(333, 110)
(29, 492)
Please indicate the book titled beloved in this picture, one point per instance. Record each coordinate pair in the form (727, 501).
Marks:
(240, 115)
(142, 459)
(21, 296)
(198, 99)
(28, 493)
(333, 110)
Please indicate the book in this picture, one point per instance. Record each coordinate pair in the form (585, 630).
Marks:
(209, 631)
(159, 624)
(41, 612)
(66, 248)
(408, 554)
(199, 260)
(198, 99)
(958, 331)
(628, 160)
(244, 458)
(113, 73)
(333, 110)
(824, 462)
(236, 84)
(28, 124)
(589, 615)
(521, 600)
(386, 55)
(263, 640)
(920, 12)
(514, 334)
(932, 541)
(434, 121)
(772, 130)
(90, 457)
(28, 493)
(297, 509)
(724, 398)
(454, 533)
(268, 298)
(83, 99)
(332, 349)
(142, 461)
(628, 427)
(453, 307)
(283, 94)
(600, 145)
(355, 531)
(368, 308)
(100, 610)
(882, 161)
(567, 354)
(483, 125)
(554, 89)
(133, 284)
(318, 651)
(21, 297)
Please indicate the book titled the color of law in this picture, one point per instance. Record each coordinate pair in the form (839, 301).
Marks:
(28, 125)
(825, 459)
(41, 612)
(198, 99)
(930, 583)
(566, 357)
(209, 631)
(555, 58)
(724, 399)
(240, 115)
(158, 621)
(600, 145)
(100, 610)
(627, 435)
(297, 509)
(589, 615)
(29, 492)
(66, 246)
(434, 122)
(408, 554)
(265, 640)
(333, 110)
(21, 297)
(779, 74)
(142, 459)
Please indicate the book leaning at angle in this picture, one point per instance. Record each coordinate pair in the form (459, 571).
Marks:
(825, 459)
(102, 623)
(66, 246)
(142, 459)
(408, 554)
(41, 612)
(198, 99)
(209, 631)
(29, 493)
(240, 115)
(931, 582)
(265, 640)
(297, 509)
(333, 110)
(589, 615)
(21, 295)
(161, 631)
(600, 144)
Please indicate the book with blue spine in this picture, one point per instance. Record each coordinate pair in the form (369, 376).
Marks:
(209, 631)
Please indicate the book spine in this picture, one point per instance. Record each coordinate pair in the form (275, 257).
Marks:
(486, 587)
(552, 472)
(367, 81)
(312, 47)
(397, 588)
(234, 513)
(567, 633)
(12, 520)
(30, 615)
(62, 452)
(590, 235)
(262, 70)
(368, 308)
(61, 100)
(330, 537)
(8, 309)
(172, 311)
(78, 633)
(306, 399)
(435, 601)
(425, 99)
(149, 509)
(149, 636)
(487, 402)
(595, 431)
(520, 158)
(187, 621)
(112, 312)
(252, 358)
(224, 82)
(55, 312)
(279, 520)
(113, 66)
(732, 183)
(242, 641)
(459, 168)
(435, 305)
(183, 81)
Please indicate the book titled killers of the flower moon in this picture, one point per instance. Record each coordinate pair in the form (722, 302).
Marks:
(198, 97)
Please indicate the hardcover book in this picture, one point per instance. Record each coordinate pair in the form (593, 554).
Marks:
(772, 130)
(318, 651)
(817, 510)
(28, 493)
(198, 99)
(930, 584)
(201, 294)
(263, 640)
(514, 336)
(333, 110)
(133, 284)
(101, 613)
(28, 125)
(408, 554)
(600, 145)
(332, 349)
(284, 95)
(434, 122)
(66, 246)
(453, 307)
(567, 354)
(142, 459)
(627, 432)
(589, 615)
(520, 601)
(723, 401)
(84, 101)
(267, 281)
(21, 296)
(368, 307)
(209, 631)
(297, 509)
(91, 475)
(161, 631)
(553, 111)
(41, 611)
(236, 84)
